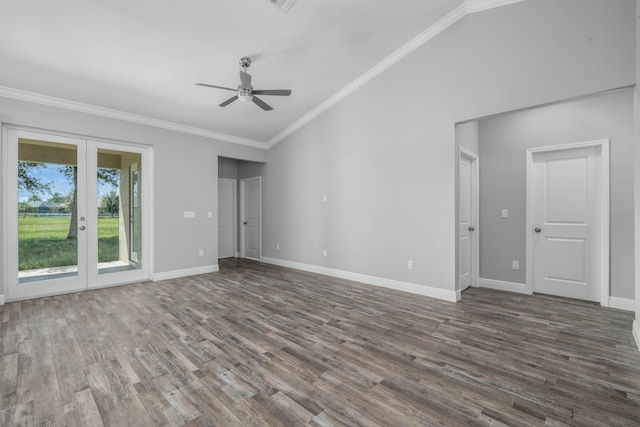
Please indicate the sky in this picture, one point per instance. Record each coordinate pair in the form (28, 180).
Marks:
(59, 183)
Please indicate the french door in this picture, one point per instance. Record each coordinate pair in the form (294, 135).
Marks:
(76, 214)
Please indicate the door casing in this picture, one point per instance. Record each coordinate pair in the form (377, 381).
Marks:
(602, 204)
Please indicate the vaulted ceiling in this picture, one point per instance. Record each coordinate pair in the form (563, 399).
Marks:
(139, 60)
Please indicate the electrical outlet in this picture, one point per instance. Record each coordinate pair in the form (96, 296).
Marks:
(505, 213)
(515, 265)
(277, 246)
(324, 252)
(201, 253)
(324, 197)
(410, 265)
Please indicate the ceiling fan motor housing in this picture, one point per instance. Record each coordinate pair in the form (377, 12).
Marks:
(245, 62)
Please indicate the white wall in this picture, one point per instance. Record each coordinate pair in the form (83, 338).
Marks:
(385, 156)
(185, 177)
(504, 141)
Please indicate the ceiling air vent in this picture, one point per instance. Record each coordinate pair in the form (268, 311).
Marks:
(283, 5)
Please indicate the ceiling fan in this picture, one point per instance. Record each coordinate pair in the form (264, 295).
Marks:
(245, 91)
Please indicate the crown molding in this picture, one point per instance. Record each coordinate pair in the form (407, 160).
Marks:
(474, 6)
(66, 104)
(468, 7)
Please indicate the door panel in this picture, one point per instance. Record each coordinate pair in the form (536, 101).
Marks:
(567, 191)
(47, 229)
(465, 206)
(565, 260)
(119, 226)
(566, 222)
(252, 218)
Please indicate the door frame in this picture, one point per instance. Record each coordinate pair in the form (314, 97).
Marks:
(234, 203)
(243, 214)
(602, 147)
(475, 218)
(10, 213)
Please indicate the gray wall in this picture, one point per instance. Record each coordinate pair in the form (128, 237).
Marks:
(250, 169)
(387, 161)
(467, 136)
(185, 177)
(227, 168)
(503, 144)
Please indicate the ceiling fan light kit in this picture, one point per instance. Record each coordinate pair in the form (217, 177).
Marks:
(245, 92)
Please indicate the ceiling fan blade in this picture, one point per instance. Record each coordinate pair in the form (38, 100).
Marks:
(245, 79)
(215, 87)
(260, 103)
(229, 101)
(275, 92)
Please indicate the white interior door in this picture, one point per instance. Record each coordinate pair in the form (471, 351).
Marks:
(251, 189)
(567, 222)
(61, 236)
(467, 219)
(226, 218)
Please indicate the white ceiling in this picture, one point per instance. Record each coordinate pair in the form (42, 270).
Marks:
(143, 57)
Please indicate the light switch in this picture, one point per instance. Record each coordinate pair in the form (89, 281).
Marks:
(505, 213)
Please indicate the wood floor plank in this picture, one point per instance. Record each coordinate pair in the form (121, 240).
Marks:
(256, 345)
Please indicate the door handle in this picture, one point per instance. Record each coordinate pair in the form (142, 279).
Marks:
(472, 228)
(537, 229)
(82, 227)
(245, 223)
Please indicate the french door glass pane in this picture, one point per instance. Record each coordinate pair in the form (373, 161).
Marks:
(119, 201)
(47, 212)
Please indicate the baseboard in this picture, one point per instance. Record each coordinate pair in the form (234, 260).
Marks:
(622, 303)
(636, 332)
(1, 299)
(167, 275)
(501, 285)
(369, 280)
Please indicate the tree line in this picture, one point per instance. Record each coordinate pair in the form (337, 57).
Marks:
(29, 182)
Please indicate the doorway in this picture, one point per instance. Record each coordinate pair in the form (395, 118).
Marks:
(77, 213)
(251, 218)
(568, 221)
(227, 230)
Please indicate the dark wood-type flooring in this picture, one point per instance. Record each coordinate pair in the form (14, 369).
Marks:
(266, 346)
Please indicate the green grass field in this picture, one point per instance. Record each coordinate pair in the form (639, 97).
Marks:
(43, 243)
